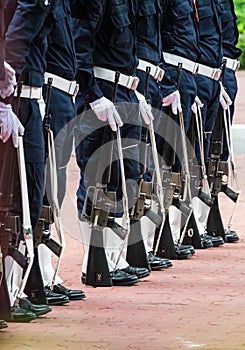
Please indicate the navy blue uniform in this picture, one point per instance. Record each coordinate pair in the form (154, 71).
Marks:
(25, 51)
(61, 61)
(210, 36)
(229, 42)
(26, 44)
(149, 49)
(149, 46)
(180, 37)
(105, 36)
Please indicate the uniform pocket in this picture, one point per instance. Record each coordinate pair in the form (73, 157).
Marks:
(182, 10)
(121, 36)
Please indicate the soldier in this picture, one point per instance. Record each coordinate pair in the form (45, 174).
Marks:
(105, 43)
(25, 51)
(231, 64)
(10, 125)
(149, 52)
(210, 90)
(61, 68)
(181, 46)
(231, 54)
(208, 21)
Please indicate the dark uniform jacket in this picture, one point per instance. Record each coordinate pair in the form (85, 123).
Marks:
(149, 45)
(60, 56)
(210, 32)
(26, 38)
(179, 29)
(105, 36)
(229, 29)
(149, 42)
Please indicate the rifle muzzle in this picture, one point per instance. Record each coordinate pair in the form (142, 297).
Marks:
(229, 193)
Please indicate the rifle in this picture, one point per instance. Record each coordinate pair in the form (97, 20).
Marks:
(10, 222)
(136, 253)
(218, 170)
(172, 185)
(157, 171)
(51, 214)
(143, 203)
(231, 235)
(103, 202)
(46, 217)
(27, 228)
(197, 179)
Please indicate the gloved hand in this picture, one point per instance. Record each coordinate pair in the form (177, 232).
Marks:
(224, 98)
(197, 103)
(7, 85)
(173, 100)
(145, 108)
(10, 124)
(106, 111)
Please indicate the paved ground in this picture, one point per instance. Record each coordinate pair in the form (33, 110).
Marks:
(196, 304)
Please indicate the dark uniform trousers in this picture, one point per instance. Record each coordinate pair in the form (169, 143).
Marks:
(209, 94)
(230, 84)
(229, 42)
(91, 134)
(210, 36)
(180, 37)
(61, 61)
(112, 24)
(62, 111)
(26, 47)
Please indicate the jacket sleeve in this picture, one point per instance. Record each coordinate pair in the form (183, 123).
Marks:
(26, 23)
(167, 85)
(86, 23)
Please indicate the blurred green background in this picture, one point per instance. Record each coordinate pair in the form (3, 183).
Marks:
(240, 12)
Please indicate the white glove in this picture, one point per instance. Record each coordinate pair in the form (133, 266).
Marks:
(197, 103)
(224, 98)
(106, 111)
(173, 100)
(145, 108)
(10, 124)
(7, 85)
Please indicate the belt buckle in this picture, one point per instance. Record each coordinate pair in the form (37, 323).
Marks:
(134, 83)
(195, 69)
(216, 73)
(236, 65)
(31, 92)
(76, 91)
(72, 88)
(159, 74)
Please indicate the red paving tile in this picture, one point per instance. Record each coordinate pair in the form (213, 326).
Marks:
(197, 304)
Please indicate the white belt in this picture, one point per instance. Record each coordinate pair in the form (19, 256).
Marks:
(193, 67)
(155, 71)
(232, 63)
(70, 87)
(128, 81)
(30, 92)
(213, 73)
(186, 64)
